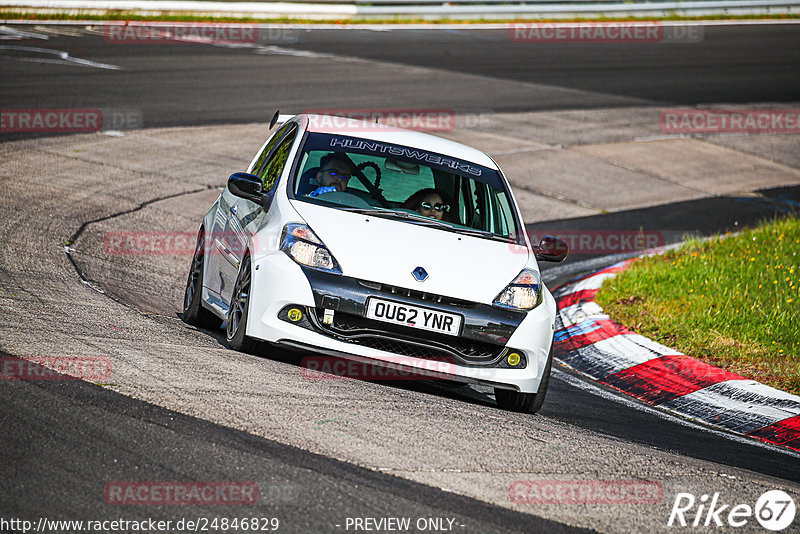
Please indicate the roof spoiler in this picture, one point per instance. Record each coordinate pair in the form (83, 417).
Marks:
(278, 119)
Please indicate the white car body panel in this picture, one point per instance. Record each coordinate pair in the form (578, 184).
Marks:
(381, 250)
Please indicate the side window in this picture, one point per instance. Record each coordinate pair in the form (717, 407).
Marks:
(506, 216)
(465, 204)
(274, 167)
(262, 158)
(473, 202)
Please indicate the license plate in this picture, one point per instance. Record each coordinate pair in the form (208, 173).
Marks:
(413, 316)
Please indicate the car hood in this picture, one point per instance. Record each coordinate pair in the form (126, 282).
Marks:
(387, 251)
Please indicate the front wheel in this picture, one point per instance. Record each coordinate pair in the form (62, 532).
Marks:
(515, 401)
(236, 331)
(193, 311)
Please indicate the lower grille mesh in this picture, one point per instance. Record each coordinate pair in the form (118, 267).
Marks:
(406, 341)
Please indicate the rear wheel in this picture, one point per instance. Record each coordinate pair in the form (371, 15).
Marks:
(236, 331)
(193, 311)
(526, 402)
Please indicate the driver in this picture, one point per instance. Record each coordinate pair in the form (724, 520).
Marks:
(335, 170)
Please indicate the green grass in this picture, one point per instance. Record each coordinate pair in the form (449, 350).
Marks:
(732, 301)
(92, 15)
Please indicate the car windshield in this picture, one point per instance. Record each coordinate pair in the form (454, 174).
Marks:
(408, 184)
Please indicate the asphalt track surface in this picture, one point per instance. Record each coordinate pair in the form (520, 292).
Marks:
(62, 441)
(467, 71)
(306, 492)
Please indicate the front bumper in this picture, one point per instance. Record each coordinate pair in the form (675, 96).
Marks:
(476, 355)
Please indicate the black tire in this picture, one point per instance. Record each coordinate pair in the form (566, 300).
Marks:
(236, 330)
(515, 401)
(194, 313)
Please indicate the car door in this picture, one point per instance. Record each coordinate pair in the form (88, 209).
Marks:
(216, 279)
(246, 216)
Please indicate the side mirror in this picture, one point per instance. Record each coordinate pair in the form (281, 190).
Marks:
(247, 186)
(551, 249)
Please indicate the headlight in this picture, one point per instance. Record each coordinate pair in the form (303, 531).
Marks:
(304, 247)
(523, 293)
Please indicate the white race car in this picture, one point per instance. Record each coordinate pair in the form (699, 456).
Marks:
(383, 245)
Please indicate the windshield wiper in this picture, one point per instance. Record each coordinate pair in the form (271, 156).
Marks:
(370, 211)
(483, 233)
(400, 214)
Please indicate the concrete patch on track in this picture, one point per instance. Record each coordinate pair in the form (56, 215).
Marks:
(778, 148)
(590, 342)
(705, 168)
(162, 180)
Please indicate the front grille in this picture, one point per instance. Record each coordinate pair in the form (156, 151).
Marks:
(407, 341)
(403, 348)
(416, 294)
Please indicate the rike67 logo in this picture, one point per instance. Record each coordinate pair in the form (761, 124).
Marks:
(774, 510)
